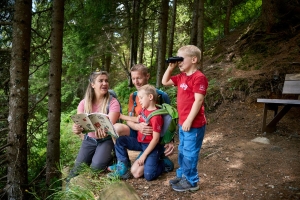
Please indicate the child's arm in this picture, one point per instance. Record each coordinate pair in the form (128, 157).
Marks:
(129, 118)
(199, 98)
(151, 146)
(166, 80)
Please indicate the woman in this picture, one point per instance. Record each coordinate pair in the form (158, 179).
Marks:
(96, 148)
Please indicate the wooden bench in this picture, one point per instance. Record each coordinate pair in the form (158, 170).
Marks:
(291, 86)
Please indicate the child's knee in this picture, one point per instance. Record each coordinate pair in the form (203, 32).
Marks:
(136, 170)
(149, 176)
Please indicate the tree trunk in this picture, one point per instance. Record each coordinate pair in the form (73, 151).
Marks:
(278, 15)
(162, 41)
(227, 18)
(134, 32)
(268, 14)
(143, 28)
(17, 175)
(108, 59)
(172, 28)
(194, 28)
(200, 36)
(54, 102)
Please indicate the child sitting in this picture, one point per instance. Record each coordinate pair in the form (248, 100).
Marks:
(149, 163)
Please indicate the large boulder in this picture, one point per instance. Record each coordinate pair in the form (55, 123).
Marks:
(119, 191)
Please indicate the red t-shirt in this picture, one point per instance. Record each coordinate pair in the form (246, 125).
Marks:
(187, 86)
(156, 122)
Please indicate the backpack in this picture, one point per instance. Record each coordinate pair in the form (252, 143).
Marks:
(170, 117)
(113, 94)
(162, 98)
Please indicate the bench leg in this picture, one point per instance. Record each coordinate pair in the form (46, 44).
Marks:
(278, 117)
(267, 128)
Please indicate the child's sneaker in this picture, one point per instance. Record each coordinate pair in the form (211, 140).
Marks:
(175, 180)
(121, 171)
(184, 185)
(114, 166)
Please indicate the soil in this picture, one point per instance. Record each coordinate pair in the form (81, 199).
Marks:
(231, 165)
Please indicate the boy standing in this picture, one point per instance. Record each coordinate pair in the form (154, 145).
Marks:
(149, 160)
(191, 90)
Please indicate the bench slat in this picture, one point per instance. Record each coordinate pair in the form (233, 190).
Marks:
(292, 77)
(291, 87)
(279, 101)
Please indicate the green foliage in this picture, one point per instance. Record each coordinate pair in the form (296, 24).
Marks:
(87, 185)
(213, 96)
(245, 12)
(69, 142)
(123, 92)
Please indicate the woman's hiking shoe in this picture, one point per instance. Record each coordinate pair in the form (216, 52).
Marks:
(169, 165)
(184, 185)
(175, 180)
(121, 171)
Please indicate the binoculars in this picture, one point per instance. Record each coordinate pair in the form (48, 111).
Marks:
(174, 59)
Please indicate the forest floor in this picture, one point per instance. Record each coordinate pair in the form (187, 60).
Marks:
(231, 165)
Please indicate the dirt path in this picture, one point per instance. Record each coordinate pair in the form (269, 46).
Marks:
(234, 167)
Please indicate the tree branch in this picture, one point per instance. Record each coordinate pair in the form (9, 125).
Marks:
(42, 11)
(41, 45)
(33, 107)
(3, 129)
(8, 144)
(6, 23)
(38, 66)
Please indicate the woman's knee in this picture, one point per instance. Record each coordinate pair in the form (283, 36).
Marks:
(122, 129)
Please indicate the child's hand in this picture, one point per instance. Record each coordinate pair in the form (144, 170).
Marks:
(173, 65)
(186, 126)
(141, 160)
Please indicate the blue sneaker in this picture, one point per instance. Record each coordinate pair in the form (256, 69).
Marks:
(114, 166)
(169, 165)
(121, 171)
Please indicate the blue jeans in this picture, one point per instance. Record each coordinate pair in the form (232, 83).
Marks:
(188, 153)
(133, 133)
(153, 166)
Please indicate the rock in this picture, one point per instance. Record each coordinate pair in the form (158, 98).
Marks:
(262, 140)
(119, 191)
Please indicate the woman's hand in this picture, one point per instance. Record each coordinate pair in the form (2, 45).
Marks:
(76, 129)
(100, 133)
